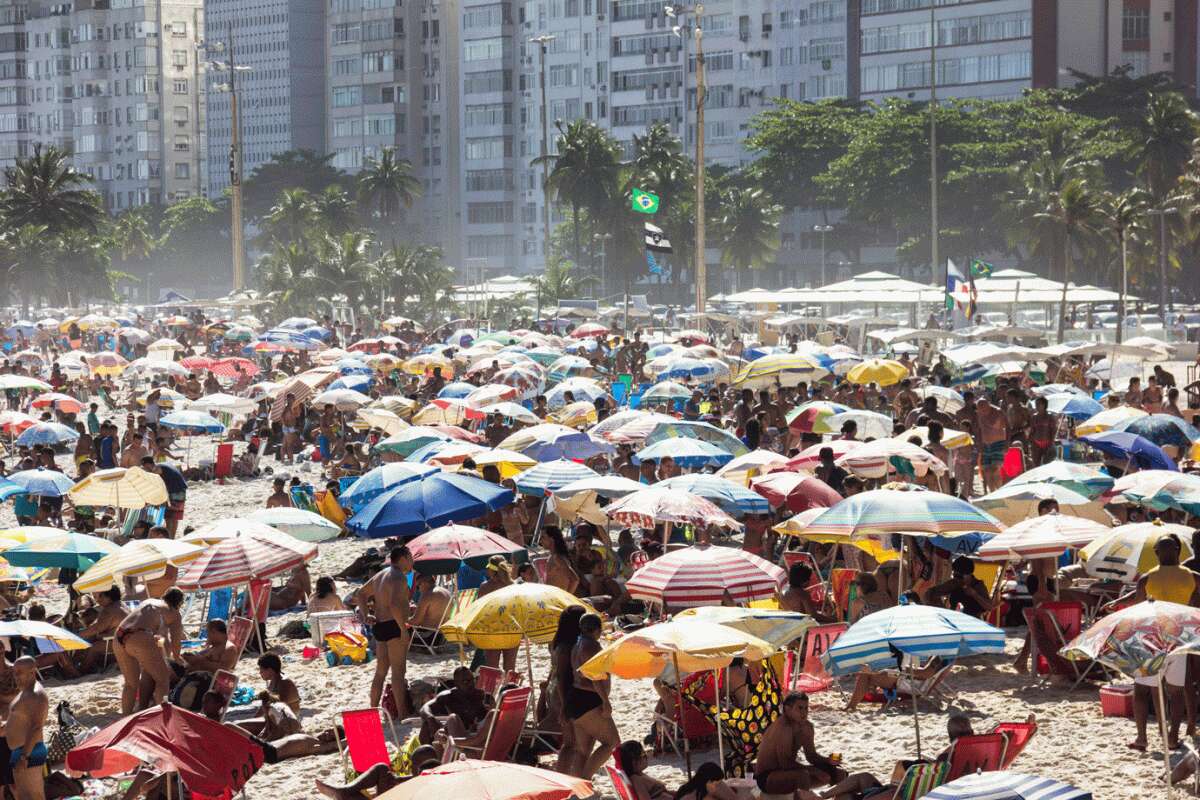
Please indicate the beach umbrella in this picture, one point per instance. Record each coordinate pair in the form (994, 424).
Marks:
(1047, 536)
(795, 491)
(490, 780)
(636, 425)
(27, 533)
(578, 498)
(779, 369)
(879, 371)
(550, 476)
(569, 367)
(307, 526)
(62, 402)
(687, 453)
(42, 482)
(502, 619)
(446, 411)
(751, 464)
(431, 502)
(1071, 405)
(157, 367)
(491, 394)
(387, 421)
(580, 389)
(579, 414)
(1130, 447)
(666, 392)
(50, 638)
(443, 550)
(120, 487)
(776, 627)
(649, 506)
(51, 433)
(409, 440)
(689, 644)
(527, 379)
(18, 382)
(192, 422)
(509, 462)
(243, 558)
(209, 758)
(805, 417)
(685, 368)
(13, 422)
(457, 389)
(1162, 429)
(871, 424)
(424, 364)
(357, 383)
(732, 498)
(1013, 503)
(589, 329)
(1159, 489)
(1006, 785)
(378, 480)
(144, 558)
(951, 439)
(1087, 481)
(234, 368)
(1127, 551)
(226, 403)
(874, 459)
(1107, 418)
(694, 429)
(167, 398)
(297, 323)
(512, 411)
(341, 399)
(67, 551)
(883, 511)
(96, 321)
(809, 458)
(219, 530)
(550, 442)
(879, 640)
(1137, 640)
(798, 526)
(10, 489)
(705, 574)
(948, 400)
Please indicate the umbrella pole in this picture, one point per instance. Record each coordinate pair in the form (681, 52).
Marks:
(1162, 728)
(717, 694)
(687, 750)
(254, 616)
(916, 713)
(900, 575)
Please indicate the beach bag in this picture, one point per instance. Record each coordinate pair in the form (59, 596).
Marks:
(63, 739)
(347, 645)
(189, 692)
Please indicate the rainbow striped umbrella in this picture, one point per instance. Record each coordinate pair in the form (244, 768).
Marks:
(884, 511)
(806, 418)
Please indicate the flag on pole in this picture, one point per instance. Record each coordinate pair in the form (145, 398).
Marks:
(656, 240)
(981, 269)
(955, 283)
(652, 263)
(644, 202)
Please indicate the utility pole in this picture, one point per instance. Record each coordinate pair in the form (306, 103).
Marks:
(543, 40)
(822, 229)
(935, 259)
(235, 174)
(701, 90)
(1162, 213)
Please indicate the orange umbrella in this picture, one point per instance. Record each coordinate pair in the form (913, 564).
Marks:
(471, 779)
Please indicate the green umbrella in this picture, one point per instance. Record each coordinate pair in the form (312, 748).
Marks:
(76, 551)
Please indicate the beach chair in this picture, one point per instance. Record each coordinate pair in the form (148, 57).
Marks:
(1046, 639)
(840, 583)
(505, 730)
(973, 754)
(240, 629)
(689, 723)
(1019, 734)
(365, 742)
(621, 783)
(430, 639)
(489, 680)
(1067, 619)
(813, 677)
(921, 779)
(817, 590)
(930, 690)
(224, 683)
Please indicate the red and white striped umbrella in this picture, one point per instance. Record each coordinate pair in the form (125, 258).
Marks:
(702, 576)
(243, 558)
(650, 506)
(234, 368)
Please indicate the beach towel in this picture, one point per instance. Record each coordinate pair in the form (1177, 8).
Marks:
(327, 507)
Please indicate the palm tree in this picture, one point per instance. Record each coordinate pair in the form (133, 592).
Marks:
(1124, 217)
(344, 265)
(45, 189)
(335, 210)
(25, 261)
(293, 217)
(560, 280)
(421, 284)
(387, 184)
(748, 224)
(660, 166)
(585, 171)
(289, 270)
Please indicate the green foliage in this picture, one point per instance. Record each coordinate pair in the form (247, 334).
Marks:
(294, 169)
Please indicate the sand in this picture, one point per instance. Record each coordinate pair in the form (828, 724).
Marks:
(1075, 742)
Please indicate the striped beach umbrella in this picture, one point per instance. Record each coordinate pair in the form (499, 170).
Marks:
(67, 551)
(1012, 504)
(650, 506)
(145, 558)
(1041, 537)
(806, 417)
(1127, 551)
(1006, 786)
(243, 558)
(42, 482)
(378, 480)
(307, 526)
(550, 476)
(1159, 489)
(795, 490)
(732, 498)
(884, 511)
(47, 433)
(783, 369)
(550, 442)
(706, 575)
(687, 453)
(443, 550)
(1087, 481)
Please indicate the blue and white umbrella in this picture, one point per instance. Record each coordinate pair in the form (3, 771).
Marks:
(687, 453)
(733, 499)
(47, 433)
(580, 389)
(569, 367)
(43, 482)
(456, 390)
(352, 366)
(379, 480)
(316, 332)
(1069, 404)
(550, 476)
(1006, 786)
(192, 422)
(357, 383)
(298, 323)
(9, 489)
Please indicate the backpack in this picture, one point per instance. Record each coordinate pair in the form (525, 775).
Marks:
(189, 692)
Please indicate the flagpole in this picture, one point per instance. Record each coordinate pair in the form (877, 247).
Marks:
(933, 160)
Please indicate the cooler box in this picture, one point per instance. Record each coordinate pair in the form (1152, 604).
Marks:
(1116, 700)
(324, 622)
(224, 466)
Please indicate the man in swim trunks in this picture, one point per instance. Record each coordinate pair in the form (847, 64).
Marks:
(138, 651)
(23, 731)
(777, 771)
(389, 589)
(291, 429)
(993, 434)
(1042, 428)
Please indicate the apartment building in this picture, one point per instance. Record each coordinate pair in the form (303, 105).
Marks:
(280, 45)
(15, 137)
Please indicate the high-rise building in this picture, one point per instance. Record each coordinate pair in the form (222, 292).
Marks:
(15, 136)
(281, 92)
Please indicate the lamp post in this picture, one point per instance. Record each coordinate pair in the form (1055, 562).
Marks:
(542, 41)
(601, 239)
(822, 229)
(674, 11)
(934, 258)
(1162, 213)
(235, 154)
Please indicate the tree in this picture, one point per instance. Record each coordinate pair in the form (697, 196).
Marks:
(749, 229)
(26, 262)
(561, 281)
(1124, 218)
(386, 185)
(293, 169)
(794, 142)
(343, 266)
(288, 272)
(335, 210)
(294, 217)
(421, 284)
(585, 171)
(45, 189)
(196, 240)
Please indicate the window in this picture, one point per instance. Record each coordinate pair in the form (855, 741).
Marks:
(636, 80)
(832, 11)
(380, 61)
(347, 126)
(346, 33)
(181, 114)
(489, 180)
(488, 246)
(483, 49)
(346, 65)
(489, 213)
(490, 114)
(1135, 24)
(491, 16)
(498, 80)
(491, 147)
(344, 96)
(381, 125)
(713, 62)
(970, 69)
(183, 142)
(179, 29)
(564, 75)
(183, 170)
(179, 58)
(821, 86)
(179, 86)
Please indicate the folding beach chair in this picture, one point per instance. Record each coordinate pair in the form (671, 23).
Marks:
(621, 783)
(489, 680)
(365, 741)
(812, 676)
(1046, 637)
(690, 722)
(921, 779)
(430, 639)
(841, 581)
(1019, 734)
(505, 730)
(1067, 622)
(980, 753)
(224, 683)
(239, 631)
(930, 690)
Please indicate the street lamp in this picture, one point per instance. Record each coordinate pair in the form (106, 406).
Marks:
(822, 229)
(601, 239)
(674, 11)
(542, 41)
(235, 153)
(1162, 213)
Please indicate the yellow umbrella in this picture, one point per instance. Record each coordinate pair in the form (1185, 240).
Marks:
(382, 362)
(509, 462)
(387, 421)
(402, 407)
(795, 526)
(106, 363)
(575, 415)
(420, 365)
(1128, 550)
(503, 619)
(1098, 423)
(951, 439)
(131, 488)
(145, 558)
(167, 398)
(880, 371)
(691, 645)
(27, 533)
(779, 628)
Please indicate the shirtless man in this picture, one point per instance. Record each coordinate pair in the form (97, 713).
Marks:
(270, 669)
(755, 537)
(23, 731)
(777, 771)
(967, 420)
(136, 647)
(291, 428)
(389, 589)
(1152, 397)
(993, 429)
(587, 705)
(279, 497)
(457, 710)
(219, 654)
(133, 453)
(1016, 414)
(432, 605)
(1042, 428)
(106, 622)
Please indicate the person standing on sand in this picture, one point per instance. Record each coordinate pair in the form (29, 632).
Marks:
(136, 647)
(291, 420)
(586, 705)
(23, 731)
(389, 589)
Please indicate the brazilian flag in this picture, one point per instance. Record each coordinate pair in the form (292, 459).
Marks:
(981, 269)
(644, 202)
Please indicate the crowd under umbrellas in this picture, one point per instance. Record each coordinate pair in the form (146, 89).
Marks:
(692, 474)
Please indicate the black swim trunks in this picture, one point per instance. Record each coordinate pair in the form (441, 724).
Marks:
(386, 630)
